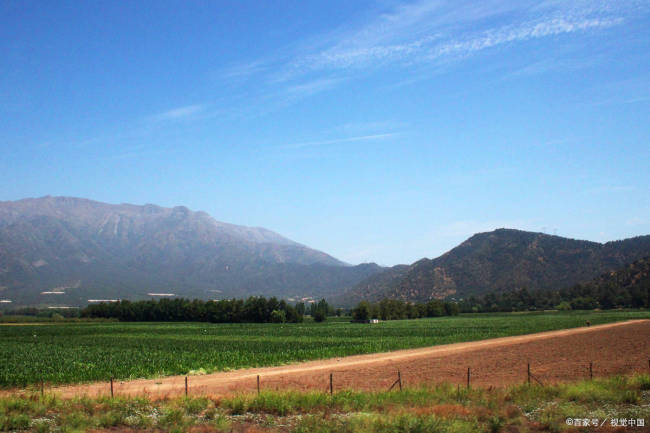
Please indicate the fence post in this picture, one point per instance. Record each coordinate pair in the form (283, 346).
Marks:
(185, 386)
(111, 387)
(468, 376)
(399, 379)
(331, 384)
(591, 371)
(258, 384)
(529, 373)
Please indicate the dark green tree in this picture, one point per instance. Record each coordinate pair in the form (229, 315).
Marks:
(361, 312)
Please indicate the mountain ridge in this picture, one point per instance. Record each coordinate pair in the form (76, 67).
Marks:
(500, 260)
(93, 250)
(126, 249)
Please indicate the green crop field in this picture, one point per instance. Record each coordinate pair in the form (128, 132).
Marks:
(81, 352)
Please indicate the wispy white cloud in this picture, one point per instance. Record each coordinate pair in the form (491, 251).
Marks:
(430, 34)
(264, 101)
(633, 90)
(620, 100)
(179, 113)
(243, 70)
(311, 87)
(368, 126)
(572, 61)
(371, 137)
(420, 35)
(137, 154)
(532, 30)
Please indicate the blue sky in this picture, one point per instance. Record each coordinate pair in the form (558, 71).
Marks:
(373, 130)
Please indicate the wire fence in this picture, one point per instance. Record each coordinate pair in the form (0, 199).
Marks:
(381, 379)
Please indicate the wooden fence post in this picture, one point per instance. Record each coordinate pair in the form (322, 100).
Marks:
(258, 384)
(186, 386)
(111, 387)
(399, 379)
(331, 384)
(591, 371)
(397, 382)
(529, 373)
(468, 376)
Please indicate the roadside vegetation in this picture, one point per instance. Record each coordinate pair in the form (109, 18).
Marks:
(443, 408)
(70, 352)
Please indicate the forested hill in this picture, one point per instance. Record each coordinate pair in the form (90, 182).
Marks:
(628, 287)
(65, 251)
(499, 261)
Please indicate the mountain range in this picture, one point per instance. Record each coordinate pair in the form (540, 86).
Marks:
(67, 251)
(76, 249)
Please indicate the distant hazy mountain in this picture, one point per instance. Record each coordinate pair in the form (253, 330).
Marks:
(500, 260)
(89, 249)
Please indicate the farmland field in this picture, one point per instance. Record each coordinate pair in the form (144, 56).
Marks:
(81, 352)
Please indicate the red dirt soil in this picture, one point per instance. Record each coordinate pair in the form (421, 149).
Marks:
(555, 356)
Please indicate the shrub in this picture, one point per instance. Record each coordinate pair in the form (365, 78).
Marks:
(320, 316)
(14, 422)
(278, 316)
(195, 406)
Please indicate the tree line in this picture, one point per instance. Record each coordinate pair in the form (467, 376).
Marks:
(392, 309)
(577, 297)
(45, 313)
(251, 310)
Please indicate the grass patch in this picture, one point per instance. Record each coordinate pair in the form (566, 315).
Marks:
(422, 409)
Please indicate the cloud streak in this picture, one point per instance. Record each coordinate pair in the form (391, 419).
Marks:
(179, 113)
(428, 32)
(420, 37)
(311, 87)
(359, 138)
(243, 71)
(522, 33)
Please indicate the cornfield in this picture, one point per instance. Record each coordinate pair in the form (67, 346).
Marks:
(82, 352)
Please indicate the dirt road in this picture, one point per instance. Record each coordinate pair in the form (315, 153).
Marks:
(553, 356)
